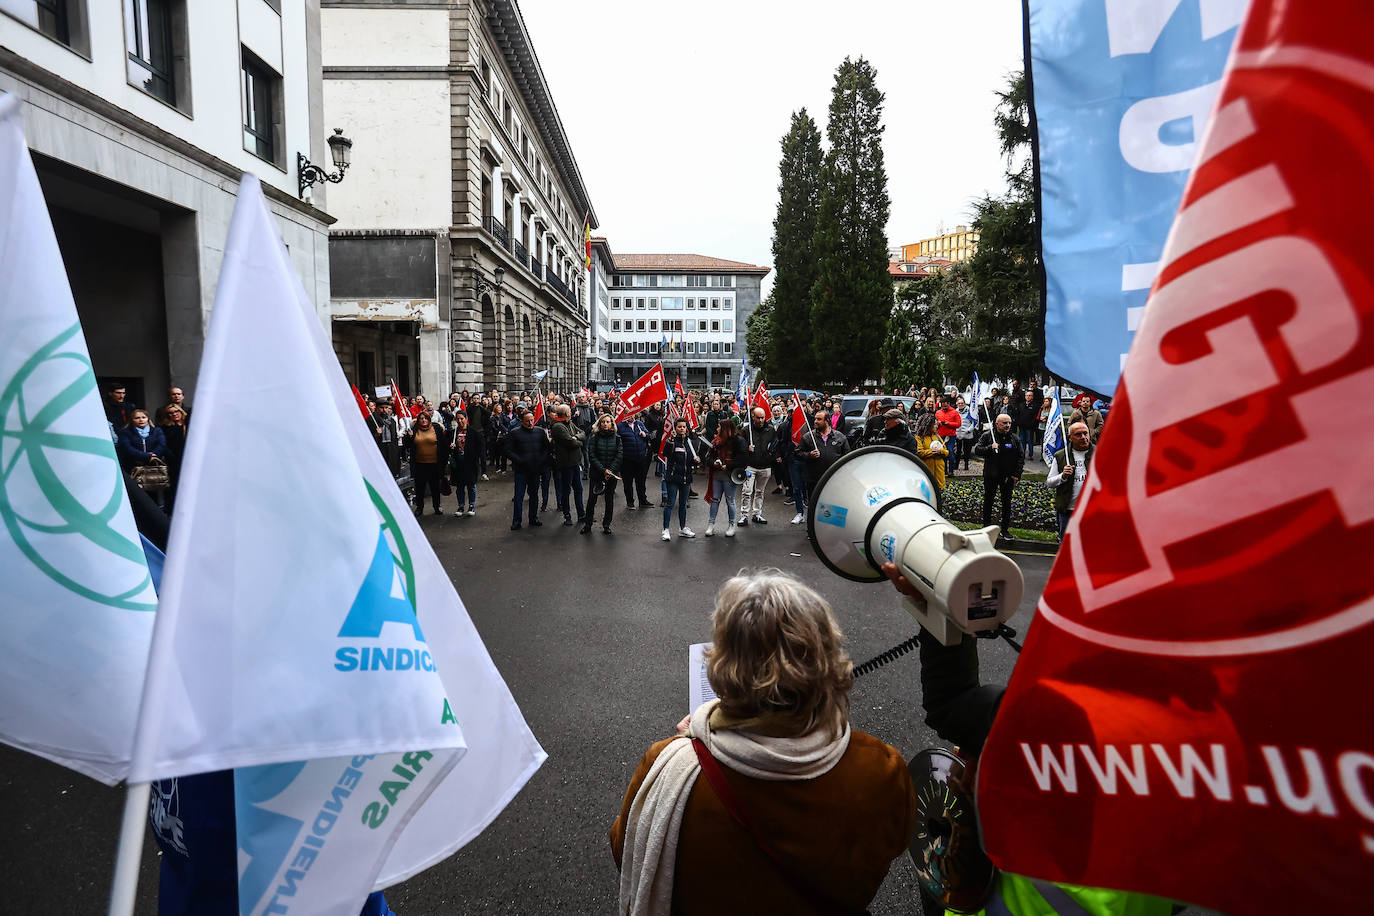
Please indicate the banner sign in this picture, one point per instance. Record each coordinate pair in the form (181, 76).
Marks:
(649, 389)
(1122, 90)
(1188, 716)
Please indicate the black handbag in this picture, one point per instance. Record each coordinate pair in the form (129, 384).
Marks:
(151, 478)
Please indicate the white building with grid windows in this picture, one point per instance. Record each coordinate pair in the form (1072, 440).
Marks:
(687, 311)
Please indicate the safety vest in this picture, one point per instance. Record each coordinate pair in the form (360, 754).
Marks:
(1014, 895)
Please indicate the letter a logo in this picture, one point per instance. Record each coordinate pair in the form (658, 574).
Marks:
(377, 602)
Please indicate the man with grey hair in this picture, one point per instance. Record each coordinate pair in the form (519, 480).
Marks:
(1003, 462)
(569, 440)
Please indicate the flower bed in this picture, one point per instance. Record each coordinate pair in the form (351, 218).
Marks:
(1032, 504)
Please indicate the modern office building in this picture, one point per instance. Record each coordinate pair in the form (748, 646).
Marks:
(958, 245)
(687, 311)
(459, 255)
(599, 371)
(142, 116)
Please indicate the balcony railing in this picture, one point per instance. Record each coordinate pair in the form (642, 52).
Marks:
(495, 228)
(553, 280)
(521, 253)
(536, 268)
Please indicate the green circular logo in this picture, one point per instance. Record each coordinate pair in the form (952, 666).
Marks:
(61, 492)
(400, 553)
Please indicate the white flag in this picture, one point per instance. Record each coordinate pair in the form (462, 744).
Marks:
(77, 614)
(1054, 429)
(502, 753)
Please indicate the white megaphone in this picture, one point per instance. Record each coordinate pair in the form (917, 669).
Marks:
(877, 505)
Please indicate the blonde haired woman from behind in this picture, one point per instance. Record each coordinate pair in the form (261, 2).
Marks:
(827, 808)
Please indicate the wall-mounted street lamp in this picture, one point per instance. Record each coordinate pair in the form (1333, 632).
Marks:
(485, 286)
(340, 150)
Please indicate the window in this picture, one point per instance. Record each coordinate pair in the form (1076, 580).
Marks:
(505, 115)
(485, 69)
(653, 303)
(672, 280)
(715, 348)
(639, 303)
(643, 280)
(672, 325)
(691, 303)
(155, 38)
(615, 325)
(715, 325)
(691, 325)
(525, 146)
(672, 303)
(727, 325)
(653, 325)
(728, 347)
(61, 20)
(641, 347)
(640, 325)
(691, 347)
(728, 304)
(715, 303)
(615, 348)
(261, 91)
(696, 281)
(615, 303)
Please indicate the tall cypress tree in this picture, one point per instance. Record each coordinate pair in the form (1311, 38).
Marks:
(790, 355)
(852, 295)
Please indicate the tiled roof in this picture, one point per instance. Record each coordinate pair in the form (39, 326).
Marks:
(924, 268)
(683, 262)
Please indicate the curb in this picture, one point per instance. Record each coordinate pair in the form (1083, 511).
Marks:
(1039, 548)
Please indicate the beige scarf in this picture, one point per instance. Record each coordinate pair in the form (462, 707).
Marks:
(655, 818)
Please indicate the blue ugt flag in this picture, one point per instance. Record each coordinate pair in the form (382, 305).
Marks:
(1122, 91)
(1054, 428)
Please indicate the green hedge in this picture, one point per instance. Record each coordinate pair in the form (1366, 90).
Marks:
(1032, 505)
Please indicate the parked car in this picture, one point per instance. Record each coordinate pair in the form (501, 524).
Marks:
(854, 411)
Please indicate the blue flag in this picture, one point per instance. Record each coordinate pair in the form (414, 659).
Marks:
(1054, 428)
(1122, 92)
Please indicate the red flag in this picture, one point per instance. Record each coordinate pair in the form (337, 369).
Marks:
(362, 408)
(689, 410)
(760, 399)
(463, 404)
(669, 419)
(798, 420)
(647, 390)
(1188, 715)
(538, 406)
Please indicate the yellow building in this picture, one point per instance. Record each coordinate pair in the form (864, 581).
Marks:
(952, 246)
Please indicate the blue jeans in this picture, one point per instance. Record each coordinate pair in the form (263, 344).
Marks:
(569, 479)
(951, 446)
(1027, 441)
(545, 477)
(723, 488)
(1063, 519)
(798, 485)
(677, 493)
(467, 494)
(526, 483)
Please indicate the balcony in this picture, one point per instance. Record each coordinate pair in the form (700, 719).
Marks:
(552, 279)
(536, 268)
(521, 253)
(499, 231)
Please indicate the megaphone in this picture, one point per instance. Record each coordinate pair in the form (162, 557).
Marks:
(877, 505)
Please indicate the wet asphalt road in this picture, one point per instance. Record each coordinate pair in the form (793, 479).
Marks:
(591, 633)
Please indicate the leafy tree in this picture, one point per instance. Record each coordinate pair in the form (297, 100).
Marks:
(852, 295)
(915, 333)
(790, 354)
(759, 335)
(1003, 277)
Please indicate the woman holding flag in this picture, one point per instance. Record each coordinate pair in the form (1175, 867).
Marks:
(679, 456)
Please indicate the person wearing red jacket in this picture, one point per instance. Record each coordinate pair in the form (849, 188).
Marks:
(948, 420)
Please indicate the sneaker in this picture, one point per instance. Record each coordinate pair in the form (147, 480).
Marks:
(667, 535)
(730, 531)
(515, 526)
(567, 521)
(744, 521)
(485, 477)
(686, 533)
(759, 520)
(788, 501)
(605, 529)
(797, 519)
(536, 523)
(471, 513)
(710, 531)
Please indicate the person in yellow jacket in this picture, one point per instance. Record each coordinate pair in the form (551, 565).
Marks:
(930, 448)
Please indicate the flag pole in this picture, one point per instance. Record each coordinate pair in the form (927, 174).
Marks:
(129, 856)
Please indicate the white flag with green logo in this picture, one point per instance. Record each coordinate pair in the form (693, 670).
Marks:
(77, 612)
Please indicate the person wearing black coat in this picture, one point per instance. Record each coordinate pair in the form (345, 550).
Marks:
(605, 460)
(1026, 416)
(529, 449)
(820, 448)
(728, 453)
(464, 462)
(634, 440)
(1003, 464)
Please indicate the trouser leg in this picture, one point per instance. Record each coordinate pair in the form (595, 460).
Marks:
(989, 490)
(521, 485)
(1005, 485)
(561, 489)
(609, 496)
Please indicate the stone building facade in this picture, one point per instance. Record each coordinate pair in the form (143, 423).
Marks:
(466, 231)
(140, 130)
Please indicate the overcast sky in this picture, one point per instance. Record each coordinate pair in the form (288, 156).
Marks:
(675, 111)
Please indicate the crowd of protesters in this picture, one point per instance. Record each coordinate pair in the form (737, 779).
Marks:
(572, 452)
(699, 445)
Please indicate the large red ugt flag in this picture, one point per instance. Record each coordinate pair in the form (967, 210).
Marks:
(1191, 716)
(646, 391)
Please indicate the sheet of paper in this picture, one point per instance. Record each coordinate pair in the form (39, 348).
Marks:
(698, 688)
